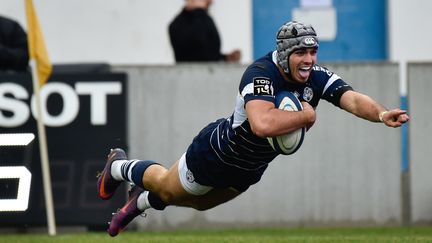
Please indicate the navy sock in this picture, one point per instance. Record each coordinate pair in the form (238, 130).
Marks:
(156, 202)
(138, 171)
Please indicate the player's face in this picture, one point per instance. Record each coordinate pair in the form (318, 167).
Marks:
(301, 63)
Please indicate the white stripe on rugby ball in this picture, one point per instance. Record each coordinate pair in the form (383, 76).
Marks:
(291, 142)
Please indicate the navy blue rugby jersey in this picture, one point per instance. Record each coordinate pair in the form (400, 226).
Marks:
(233, 140)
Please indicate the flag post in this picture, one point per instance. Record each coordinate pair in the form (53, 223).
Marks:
(41, 69)
(43, 149)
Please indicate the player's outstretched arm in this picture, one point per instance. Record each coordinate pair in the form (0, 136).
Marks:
(365, 107)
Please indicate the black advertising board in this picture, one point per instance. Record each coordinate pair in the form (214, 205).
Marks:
(84, 116)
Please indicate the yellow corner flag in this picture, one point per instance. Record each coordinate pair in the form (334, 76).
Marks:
(37, 49)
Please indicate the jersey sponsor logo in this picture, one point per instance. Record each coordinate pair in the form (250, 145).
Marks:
(307, 94)
(318, 68)
(262, 86)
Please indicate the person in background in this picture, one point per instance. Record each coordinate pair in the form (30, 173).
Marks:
(194, 36)
(13, 46)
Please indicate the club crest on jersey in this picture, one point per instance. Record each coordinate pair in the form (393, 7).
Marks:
(262, 86)
(307, 94)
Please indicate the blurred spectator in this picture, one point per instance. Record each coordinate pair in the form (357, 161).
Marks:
(194, 36)
(13, 46)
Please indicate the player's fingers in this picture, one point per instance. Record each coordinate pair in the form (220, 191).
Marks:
(397, 112)
(394, 124)
(398, 121)
(403, 118)
(396, 115)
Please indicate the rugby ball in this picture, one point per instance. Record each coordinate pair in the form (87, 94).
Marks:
(291, 142)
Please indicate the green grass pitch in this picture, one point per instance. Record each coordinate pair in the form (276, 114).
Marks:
(318, 235)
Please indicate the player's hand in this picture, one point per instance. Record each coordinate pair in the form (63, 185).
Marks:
(310, 114)
(395, 117)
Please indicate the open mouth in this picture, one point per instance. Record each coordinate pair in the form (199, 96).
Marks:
(305, 71)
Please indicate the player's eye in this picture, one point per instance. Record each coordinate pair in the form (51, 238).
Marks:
(300, 52)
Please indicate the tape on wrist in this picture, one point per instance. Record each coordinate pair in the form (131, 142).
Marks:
(381, 116)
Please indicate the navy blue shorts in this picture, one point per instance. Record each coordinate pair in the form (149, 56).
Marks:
(208, 170)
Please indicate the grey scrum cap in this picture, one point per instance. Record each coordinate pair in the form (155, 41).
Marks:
(291, 37)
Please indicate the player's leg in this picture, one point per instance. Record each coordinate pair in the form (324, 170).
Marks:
(138, 202)
(176, 186)
(118, 169)
(211, 199)
(106, 183)
(173, 186)
(158, 187)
